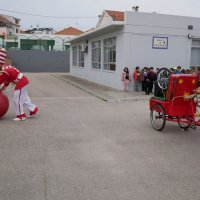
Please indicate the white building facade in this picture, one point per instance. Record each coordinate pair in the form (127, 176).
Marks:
(141, 39)
(9, 25)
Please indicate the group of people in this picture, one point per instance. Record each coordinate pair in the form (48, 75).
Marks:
(179, 70)
(144, 78)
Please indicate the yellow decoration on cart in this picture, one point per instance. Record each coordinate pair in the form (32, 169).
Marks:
(180, 81)
(194, 81)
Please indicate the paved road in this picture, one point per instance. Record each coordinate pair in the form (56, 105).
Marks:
(83, 148)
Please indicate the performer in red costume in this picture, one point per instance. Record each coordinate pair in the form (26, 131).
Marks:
(9, 74)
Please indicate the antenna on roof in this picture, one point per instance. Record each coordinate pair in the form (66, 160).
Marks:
(135, 8)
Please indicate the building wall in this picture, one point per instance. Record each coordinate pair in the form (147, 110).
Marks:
(105, 19)
(7, 31)
(140, 29)
(3, 30)
(14, 27)
(108, 78)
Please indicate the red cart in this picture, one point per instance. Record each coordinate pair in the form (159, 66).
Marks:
(179, 102)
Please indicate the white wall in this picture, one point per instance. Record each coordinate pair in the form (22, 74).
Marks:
(140, 52)
(140, 29)
(14, 27)
(105, 19)
(108, 78)
(3, 30)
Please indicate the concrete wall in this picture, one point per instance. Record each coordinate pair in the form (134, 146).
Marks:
(40, 61)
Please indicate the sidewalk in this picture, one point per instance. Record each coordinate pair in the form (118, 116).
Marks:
(102, 92)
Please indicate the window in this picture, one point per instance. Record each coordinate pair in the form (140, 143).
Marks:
(17, 31)
(2, 24)
(80, 56)
(195, 53)
(96, 55)
(110, 54)
(74, 56)
(196, 43)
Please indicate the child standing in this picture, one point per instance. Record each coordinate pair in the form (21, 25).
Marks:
(125, 78)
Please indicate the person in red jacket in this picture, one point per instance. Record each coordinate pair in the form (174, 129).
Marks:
(137, 79)
(9, 74)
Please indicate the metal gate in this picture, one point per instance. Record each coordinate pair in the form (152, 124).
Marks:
(40, 61)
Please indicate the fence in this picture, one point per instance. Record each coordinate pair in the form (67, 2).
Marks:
(36, 42)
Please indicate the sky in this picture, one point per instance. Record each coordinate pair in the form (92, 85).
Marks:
(83, 14)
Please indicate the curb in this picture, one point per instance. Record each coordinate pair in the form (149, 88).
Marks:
(101, 96)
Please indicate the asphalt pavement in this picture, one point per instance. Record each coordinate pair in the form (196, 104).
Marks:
(90, 142)
(104, 93)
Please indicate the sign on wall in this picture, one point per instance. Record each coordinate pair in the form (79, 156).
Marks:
(160, 43)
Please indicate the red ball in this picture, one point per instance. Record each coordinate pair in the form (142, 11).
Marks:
(4, 104)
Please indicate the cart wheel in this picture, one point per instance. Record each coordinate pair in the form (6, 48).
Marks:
(184, 125)
(163, 78)
(158, 117)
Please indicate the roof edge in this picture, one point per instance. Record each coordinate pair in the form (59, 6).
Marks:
(97, 29)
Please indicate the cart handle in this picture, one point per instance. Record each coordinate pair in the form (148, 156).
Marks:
(176, 98)
(189, 97)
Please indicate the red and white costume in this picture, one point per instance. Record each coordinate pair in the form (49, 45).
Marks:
(10, 74)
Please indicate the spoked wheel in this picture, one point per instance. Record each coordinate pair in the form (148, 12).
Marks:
(163, 78)
(183, 122)
(158, 117)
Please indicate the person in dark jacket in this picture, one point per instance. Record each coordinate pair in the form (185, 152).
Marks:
(147, 85)
(152, 77)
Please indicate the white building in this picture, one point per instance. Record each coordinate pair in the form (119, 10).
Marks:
(65, 35)
(134, 39)
(9, 25)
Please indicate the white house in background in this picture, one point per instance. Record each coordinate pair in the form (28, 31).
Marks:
(9, 25)
(69, 33)
(133, 39)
